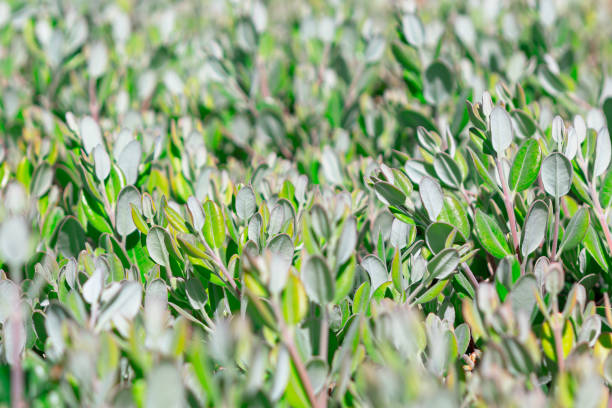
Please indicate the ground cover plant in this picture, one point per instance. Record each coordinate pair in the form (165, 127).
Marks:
(287, 203)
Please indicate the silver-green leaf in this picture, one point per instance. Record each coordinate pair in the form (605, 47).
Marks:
(557, 174)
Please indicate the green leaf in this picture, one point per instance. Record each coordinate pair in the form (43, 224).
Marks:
(129, 160)
(576, 229)
(156, 245)
(281, 374)
(526, 166)
(124, 304)
(490, 235)
(534, 227)
(245, 203)
(593, 247)
(524, 123)
(90, 132)
(523, 294)
(437, 234)
(128, 197)
(433, 292)
(448, 170)
(605, 193)
(501, 129)
(603, 152)
(454, 213)
(346, 241)
(281, 254)
(318, 280)
(214, 225)
(70, 238)
(196, 294)
(390, 194)
(165, 386)
(41, 180)
(102, 163)
(413, 30)
(439, 83)
(443, 264)
(396, 271)
(507, 272)
(196, 213)
(94, 214)
(557, 174)
(320, 221)
(345, 280)
(376, 270)
(431, 196)
(362, 298)
(463, 336)
(317, 372)
(481, 168)
(294, 301)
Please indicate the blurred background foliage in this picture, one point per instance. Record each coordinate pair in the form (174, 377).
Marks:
(290, 203)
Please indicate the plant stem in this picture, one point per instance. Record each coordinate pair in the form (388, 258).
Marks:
(323, 347)
(601, 217)
(414, 292)
(295, 356)
(553, 256)
(15, 321)
(220, 265)
(470, 274)
(508, 202)
(107, 205)
(557, 334)
(94, 109)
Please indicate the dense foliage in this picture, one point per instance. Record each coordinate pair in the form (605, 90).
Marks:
(290, 203)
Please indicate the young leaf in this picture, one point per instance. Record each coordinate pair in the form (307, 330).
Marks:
(156, 245)
(433, 292)
(534, 227)
(605, 193)
(245, 203)
(214, 225)
(196, 212)
(490, 235)
(576, 229)
(124, 223)
(90, 133)
(41, 180)
(439, 83)
(501, 129)
(593, 247)
(413, 30)
(70, 238)
(448, 170)
(129, 160)
(526, 166)
(295, 301)
(390, 194)
(443, 264)
(165, 386)
(346, 241)
(376, 270)
(454, 214)
(603, 152)
(557, 174)
(431, 196)
(102, 162)
(318, 280)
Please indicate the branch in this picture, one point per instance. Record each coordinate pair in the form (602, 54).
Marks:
(509, 203)
(295, 356)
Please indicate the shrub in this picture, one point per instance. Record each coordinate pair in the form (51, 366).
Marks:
(305, 204)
